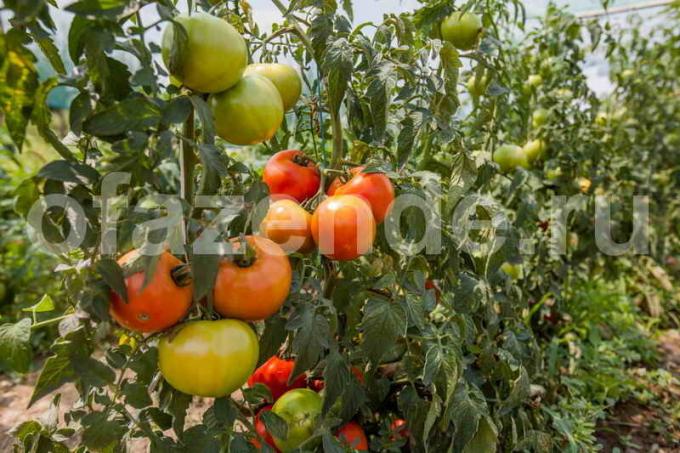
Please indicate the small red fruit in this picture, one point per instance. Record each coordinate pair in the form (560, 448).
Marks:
(262, 432)
(353, 436)
(291, 174)
(399, 429)
(274, 373)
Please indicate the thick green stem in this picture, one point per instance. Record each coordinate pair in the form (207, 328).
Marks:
(336, 130)
(187, 162)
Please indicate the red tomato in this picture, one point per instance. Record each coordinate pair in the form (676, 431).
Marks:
(399, 429)
(375, 188)
(262, 432)
(430, 284)
(318, 384)
(159, 305)
(353, 436)
(292, 174)
(274, 373)
(343, 227)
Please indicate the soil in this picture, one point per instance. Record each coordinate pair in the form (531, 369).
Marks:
(632, 427)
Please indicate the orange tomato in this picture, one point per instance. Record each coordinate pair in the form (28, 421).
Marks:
(159, 305)
(257, 289)
(343, 227)
(375, 188)
(288, 224)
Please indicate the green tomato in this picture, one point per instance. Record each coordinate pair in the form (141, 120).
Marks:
(514, 271)
(209, 358)
(532, 82)
(509, 157)
(301, 409)
(285, 78)
(249, 113)
(564, 94)
(211, 59)
(601, 119)
(477, 85)
(539, 118)
(463, 30)
(627, 74)
(534, 149)
(553, 173)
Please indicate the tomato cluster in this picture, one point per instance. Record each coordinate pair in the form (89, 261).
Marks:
(208, 55)
(298, 406)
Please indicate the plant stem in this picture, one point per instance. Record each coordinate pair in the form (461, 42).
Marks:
(336, 130)
(187, 162)
(48, 322)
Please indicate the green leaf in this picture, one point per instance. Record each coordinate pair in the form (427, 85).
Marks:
(67, 171)
(101, 433)
(205, 116)
(336, 377)
(177, 110)
(44, 305)
(383, 323)
(213, 158)
(337, 65)
(520, 392)
(15, 346)
(199, 439)
(275, 424)
(25, 195)
(44, 41)
(81, 107)
(485, 439)
(18, 84)
(221, 415)
(42, 117)
(311, 338)
(135, 114)
(136, 395)
(331, 444)
(272, 338)
(113, 275)
(97, 7)
(204, 270)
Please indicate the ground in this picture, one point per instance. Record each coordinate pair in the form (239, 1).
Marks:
(630, 428)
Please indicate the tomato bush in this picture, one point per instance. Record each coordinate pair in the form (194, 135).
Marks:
(461, 333)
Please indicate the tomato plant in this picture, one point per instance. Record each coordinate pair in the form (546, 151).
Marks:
(453, 323)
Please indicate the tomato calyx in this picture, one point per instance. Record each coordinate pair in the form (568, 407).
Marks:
(302, 160)
(248, 257)
(181, 275)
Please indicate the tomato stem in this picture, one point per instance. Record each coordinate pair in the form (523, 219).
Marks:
(181, 275)
(187, 163)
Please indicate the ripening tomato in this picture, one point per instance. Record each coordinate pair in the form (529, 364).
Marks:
(375, 188)
(353, 436)
(343, 227)
(289, 225)
(534, 149)
(509, 157)
(301, 409)
(290, 173)
(248, 113)
(432, 285)
(209, 358)
(399, 429)
(514, 271)
(285, 78)
(253, 285)
(532, 83)
(211, 59)
(463, 30)
(261, 430)
(476, 86)
(274, 373)
(539, 117)
(161, 304)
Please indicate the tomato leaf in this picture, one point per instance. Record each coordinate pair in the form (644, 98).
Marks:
(311, 338)
(384, 321)
(15, 346)
(275, 424)
(113, 275)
